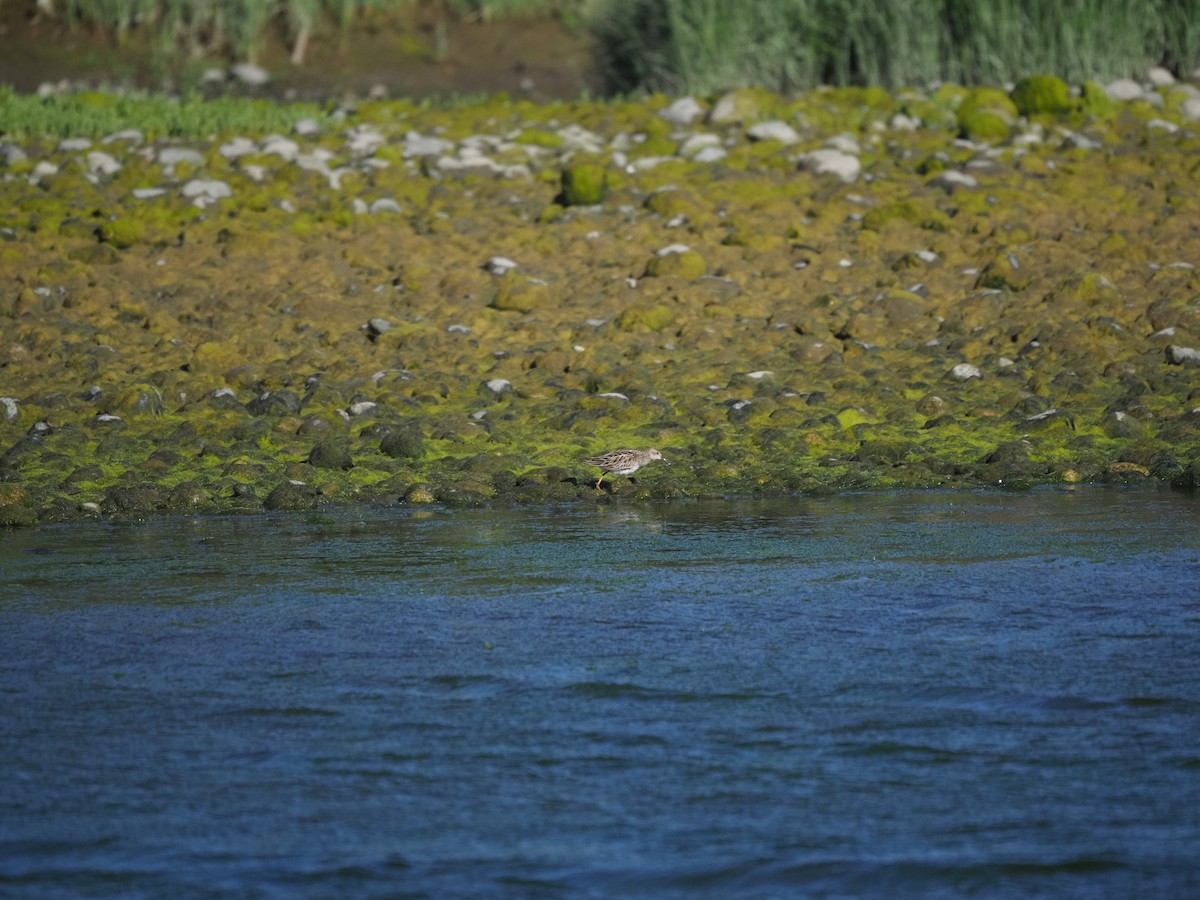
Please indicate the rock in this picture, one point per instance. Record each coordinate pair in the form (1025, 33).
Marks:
(173, 156)
(1183, 356)
(738, 105)
(683, 111)
(499, 265)
(696, 143)
(238, 146)
(710, 155)
(385, 205)
(135, 500)
(1124, 89)
(1191, 109)
(250, 74)
(584, 184)
(965, 372)
(417, 145)
(986, 114)
(832, 162)
(205, 191)
(362, 408)
(774, 130)
(73, 145)
(1041, 94)
(306, 127)
(8, 409)
(403, 443)
(1159, 77)
(274, 403)
(100, 163)
(378, 326)
(676, 260)
(495, 388)
(292, 496)
(330, 454)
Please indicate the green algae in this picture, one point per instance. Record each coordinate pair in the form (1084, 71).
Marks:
(1042, 280)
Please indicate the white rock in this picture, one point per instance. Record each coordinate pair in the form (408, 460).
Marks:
(1191, 109)
(1159, 77)
(73, 145)
(710, 155)
(10, 153)
(498, 385)
(365, 140)
(1163, 125)
(285, 148)
(361, 408)
(206, 189)
(306, 127)
(832, 162)
(170, 156)
(902, 122)
(148, 193)
(239, 146)
(499, 265)
(128, 135)
(683, 111)
(759, 375)
(99, 163)
(844, 142)
(250, 74)
(575, 137)
(8, 409)
(384, 204)
(951, 179)
(774, 130)
(673, 248)
(417, 144)
(1124, 89)
(697, 142)
(965, 372)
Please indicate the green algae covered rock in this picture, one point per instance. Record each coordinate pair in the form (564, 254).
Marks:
(680, 263)
(908, 211)
(653, 317)
(1041, 94)
(515, 294)
(986, 114)
(584, 184)
(1094, 100)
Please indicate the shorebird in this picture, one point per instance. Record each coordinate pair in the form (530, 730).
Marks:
(621, 462)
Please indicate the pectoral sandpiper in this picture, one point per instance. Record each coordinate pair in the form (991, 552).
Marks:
(621, 462)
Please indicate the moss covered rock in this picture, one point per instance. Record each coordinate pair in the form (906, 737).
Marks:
(1042, 94)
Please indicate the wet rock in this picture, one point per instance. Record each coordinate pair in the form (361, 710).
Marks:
(16, 506)
(135, 499)
(403, 443)
(274, 403)
(292, 496)
(188, 497)
(1183, 356)
(330, 454)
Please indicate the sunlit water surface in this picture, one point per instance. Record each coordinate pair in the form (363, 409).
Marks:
(890, 695)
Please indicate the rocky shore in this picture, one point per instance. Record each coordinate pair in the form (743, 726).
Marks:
(399, 303)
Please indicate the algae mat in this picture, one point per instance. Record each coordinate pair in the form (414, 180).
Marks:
(406, 303)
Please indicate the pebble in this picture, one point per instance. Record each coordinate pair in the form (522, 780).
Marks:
(952, 179)
(965, 372)
(1183, 356)
(499, 265)
(362, 408)
(100, 163)
(74, 145)
(710, 155)
(205, 191)
(1124, 89)
(251, 74)
(170, 156)
(832, 162)
(8, 409)
(683, 111)
(774, 130)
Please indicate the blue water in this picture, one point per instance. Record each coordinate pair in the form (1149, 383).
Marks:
(885, 695)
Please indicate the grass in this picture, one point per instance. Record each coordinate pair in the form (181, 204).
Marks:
(94, 115)
(700, 46)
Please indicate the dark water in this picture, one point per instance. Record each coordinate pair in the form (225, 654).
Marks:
(915, 695)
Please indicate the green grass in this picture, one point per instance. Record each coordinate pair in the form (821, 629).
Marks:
(700, 46)
(90, 114)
